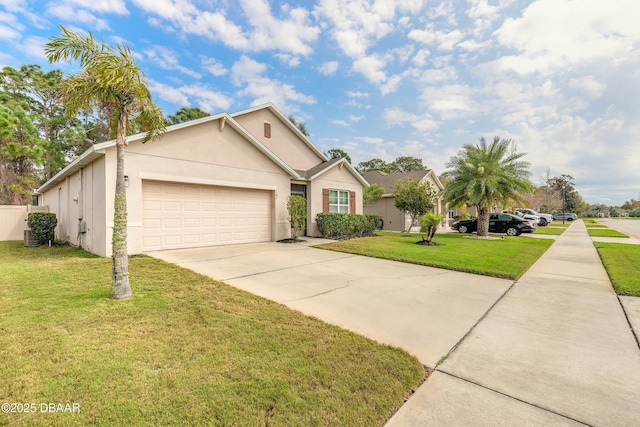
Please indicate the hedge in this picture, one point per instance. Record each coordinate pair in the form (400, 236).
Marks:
(43, 226)
(346, 226)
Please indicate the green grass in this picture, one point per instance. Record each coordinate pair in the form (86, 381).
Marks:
(605, 232)
(550, 231)
(509, 258)
(185, 350)
(558, 223)
(622, 262)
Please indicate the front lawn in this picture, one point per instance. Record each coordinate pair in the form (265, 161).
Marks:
(622, 262)
(507, 258)
(185, 350)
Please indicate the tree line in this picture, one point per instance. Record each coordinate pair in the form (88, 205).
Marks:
(38, 136)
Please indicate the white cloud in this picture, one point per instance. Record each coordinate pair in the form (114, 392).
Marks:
(357, 24)
(190, 95)
(14, 5)
(289, 60)
(292, 33)
(102, 6)
(443, 40)
(213, 66)
(168, 59)
(588, 85)
(355, 94)
(449, 101)
(8, 32)
(248, 74)
(340, 123)
(33, 47)
(372, 67)
(398, 117)
(329, 68)
(70, 13)
(555, 34)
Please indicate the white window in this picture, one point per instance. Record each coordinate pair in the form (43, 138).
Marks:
(339, 201)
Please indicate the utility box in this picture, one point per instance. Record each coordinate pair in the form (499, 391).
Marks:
(82, 227)
(29, 240)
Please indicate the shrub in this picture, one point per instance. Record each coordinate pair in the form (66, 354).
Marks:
(297, 207)
(346, 226)
(429, 224)
(43, 226)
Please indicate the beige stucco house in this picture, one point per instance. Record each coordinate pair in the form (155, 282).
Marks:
(222, 179)
(392, 218)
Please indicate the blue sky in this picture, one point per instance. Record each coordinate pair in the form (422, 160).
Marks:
(389, 78)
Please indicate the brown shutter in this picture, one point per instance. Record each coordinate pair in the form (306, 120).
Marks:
(352, 202)
(267, 130)
(325, 200)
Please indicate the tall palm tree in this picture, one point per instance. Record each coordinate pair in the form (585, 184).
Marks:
(485, 175)
(109, 76)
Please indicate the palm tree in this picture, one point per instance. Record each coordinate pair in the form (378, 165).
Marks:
(109, 76)
(485, 175)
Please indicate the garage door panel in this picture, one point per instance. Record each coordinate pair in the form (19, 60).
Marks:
(184, 215)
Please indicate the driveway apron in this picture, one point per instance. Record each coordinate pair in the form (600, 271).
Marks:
(424, 310)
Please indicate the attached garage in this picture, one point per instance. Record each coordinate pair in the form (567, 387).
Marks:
(177, 215)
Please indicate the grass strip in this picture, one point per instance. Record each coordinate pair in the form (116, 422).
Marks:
(622, 262)
(607, 232)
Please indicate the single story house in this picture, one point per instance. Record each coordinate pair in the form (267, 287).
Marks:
(221, 179)
(392, 218)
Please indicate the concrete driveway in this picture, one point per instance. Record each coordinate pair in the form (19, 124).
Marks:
(424, 310)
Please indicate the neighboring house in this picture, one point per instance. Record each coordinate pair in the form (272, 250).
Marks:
(221, 179)
(392, 218)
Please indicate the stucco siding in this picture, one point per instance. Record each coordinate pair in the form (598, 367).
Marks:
(393, 219)
(337, 178)
(200, 154)
(283, 142)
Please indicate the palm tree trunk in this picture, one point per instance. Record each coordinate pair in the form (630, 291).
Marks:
(483, 221)
(120, 287)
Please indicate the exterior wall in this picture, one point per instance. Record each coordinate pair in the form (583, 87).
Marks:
(80, 198)
(283, 142)
(337, 178)
(393, 219)
(95, 208)
(200, 154)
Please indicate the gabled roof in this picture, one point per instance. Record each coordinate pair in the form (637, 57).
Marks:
(269, 106)
(323, 167)
(98, 150)
(388, 181)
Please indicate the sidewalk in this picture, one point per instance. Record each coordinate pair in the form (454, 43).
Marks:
(555, 350)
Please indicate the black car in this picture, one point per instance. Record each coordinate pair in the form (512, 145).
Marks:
(512, 225)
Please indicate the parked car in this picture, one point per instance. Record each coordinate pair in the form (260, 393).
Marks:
(510, 224)
(534, 218)
(544, 218)
(567, 216)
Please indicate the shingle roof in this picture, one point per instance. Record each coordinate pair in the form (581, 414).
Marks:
(388, 181)
(317, 168)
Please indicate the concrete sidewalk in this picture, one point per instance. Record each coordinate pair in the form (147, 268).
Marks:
(555, 350)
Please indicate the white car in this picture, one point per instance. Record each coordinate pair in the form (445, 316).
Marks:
(544, 218)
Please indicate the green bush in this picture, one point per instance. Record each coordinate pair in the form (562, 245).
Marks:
(346, 226)
(297, 207)
(42, 225)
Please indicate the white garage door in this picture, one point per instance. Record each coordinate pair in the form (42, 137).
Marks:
(183, 215)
